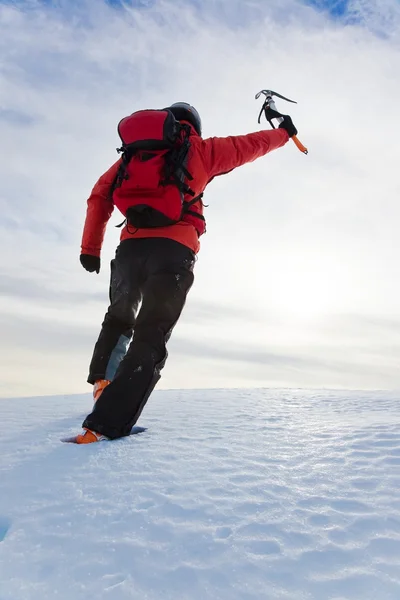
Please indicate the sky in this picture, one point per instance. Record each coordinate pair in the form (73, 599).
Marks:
(297, 281)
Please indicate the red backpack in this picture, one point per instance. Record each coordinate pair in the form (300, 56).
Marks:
(150, 188)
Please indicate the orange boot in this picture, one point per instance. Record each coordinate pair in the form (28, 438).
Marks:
(89, 436)
(98, 388)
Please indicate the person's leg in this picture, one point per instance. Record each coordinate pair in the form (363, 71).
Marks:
(169, 276)
(117, 327)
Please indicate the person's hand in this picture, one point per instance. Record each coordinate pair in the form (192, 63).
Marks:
(90, 263)
(287, 124)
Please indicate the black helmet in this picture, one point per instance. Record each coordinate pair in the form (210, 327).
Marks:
(183, 111)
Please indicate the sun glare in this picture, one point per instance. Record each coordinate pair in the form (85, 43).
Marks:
(308, 287)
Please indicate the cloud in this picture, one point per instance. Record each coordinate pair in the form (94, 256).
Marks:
(17, 286)
(295, 244)
(347, 351)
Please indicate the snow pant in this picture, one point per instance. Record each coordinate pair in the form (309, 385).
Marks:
(150, 278)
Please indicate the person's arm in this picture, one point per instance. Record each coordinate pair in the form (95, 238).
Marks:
(222, 155)
(99, 211)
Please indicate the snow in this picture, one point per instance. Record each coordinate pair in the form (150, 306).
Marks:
(228, 494)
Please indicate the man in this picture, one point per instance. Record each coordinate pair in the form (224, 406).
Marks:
(151, 274)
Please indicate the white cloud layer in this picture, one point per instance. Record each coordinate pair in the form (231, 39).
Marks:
(297, 283)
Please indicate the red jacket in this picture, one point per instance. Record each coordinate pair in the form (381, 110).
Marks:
(207, 159)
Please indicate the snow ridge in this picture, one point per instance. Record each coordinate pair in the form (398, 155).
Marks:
(228, 494)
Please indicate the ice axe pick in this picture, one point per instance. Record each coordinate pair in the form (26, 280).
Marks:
(269, 109)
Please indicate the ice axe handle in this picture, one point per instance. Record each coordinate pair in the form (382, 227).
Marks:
(270, 103)
(299, 144)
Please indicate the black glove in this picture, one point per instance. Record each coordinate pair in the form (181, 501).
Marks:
(287, 124)
(90, 263)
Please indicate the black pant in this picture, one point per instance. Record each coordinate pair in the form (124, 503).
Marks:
(154, 274)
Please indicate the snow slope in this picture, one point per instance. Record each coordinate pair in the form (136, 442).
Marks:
(229, 494)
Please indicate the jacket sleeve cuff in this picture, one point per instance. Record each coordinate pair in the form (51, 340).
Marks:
(90, 250)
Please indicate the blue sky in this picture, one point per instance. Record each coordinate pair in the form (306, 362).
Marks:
(345, 11)
(336, 8)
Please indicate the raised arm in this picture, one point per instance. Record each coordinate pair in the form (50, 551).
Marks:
(222, 155)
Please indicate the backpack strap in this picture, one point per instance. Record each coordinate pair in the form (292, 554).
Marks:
(175, 165)
(186, 207)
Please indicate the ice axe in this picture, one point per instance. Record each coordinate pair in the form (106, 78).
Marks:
(269, 109)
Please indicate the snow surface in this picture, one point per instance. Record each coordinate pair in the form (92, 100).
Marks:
(229, 494)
